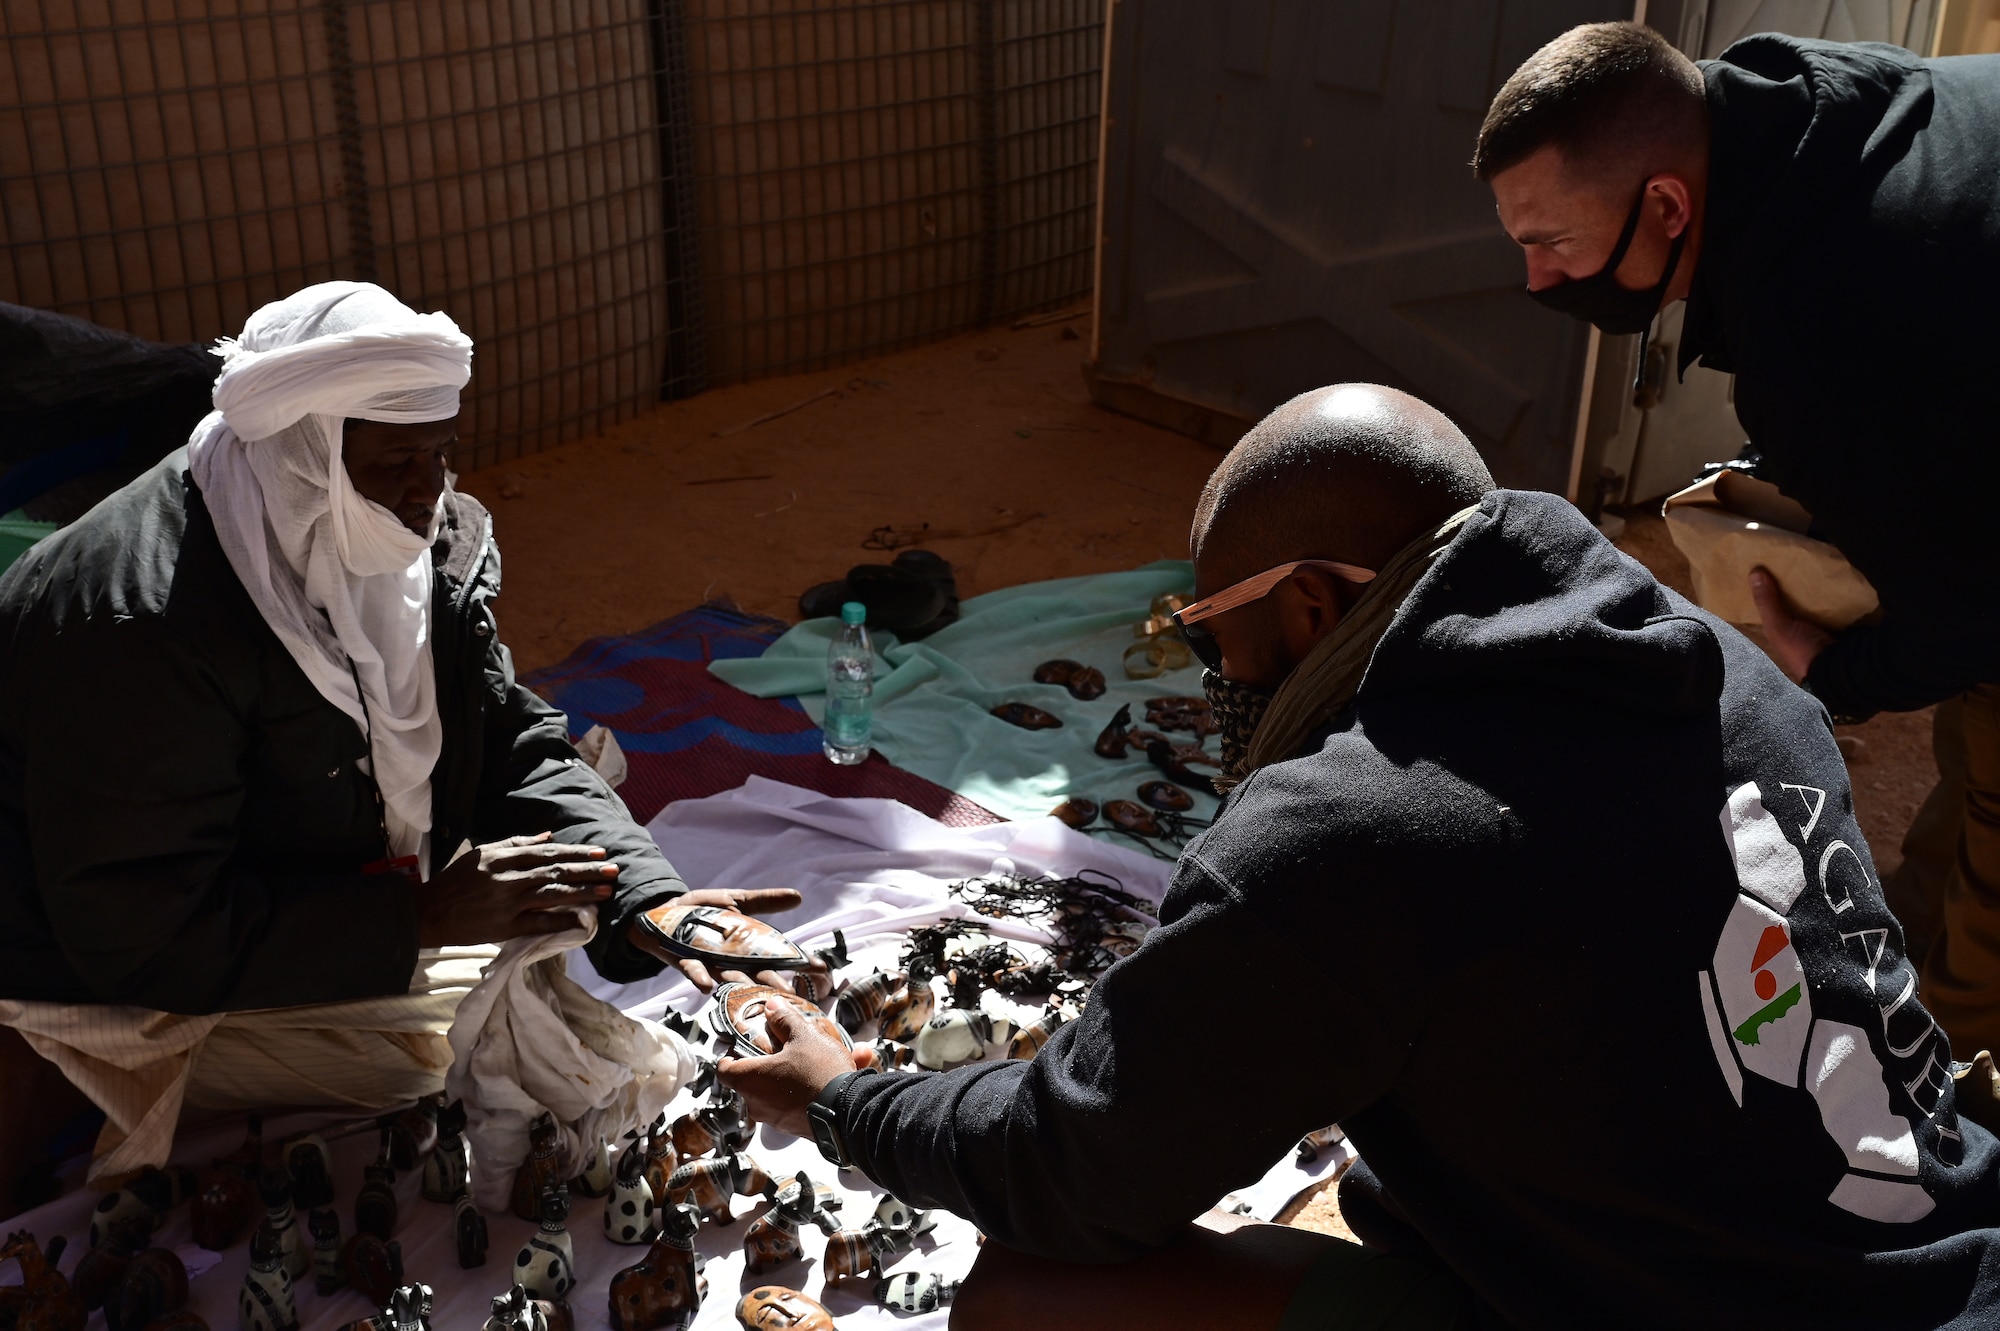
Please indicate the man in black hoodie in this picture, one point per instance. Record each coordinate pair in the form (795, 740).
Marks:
(1831, 214)
(1539, 880)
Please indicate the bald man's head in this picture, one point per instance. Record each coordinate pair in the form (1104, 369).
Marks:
(1353, 473)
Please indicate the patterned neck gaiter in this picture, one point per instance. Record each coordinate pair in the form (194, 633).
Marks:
(1239, 708)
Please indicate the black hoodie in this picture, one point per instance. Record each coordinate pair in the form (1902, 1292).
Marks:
(1850, 279)
(1568, 921)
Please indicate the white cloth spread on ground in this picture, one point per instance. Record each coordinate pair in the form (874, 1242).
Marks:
(529, 1039)
(874, 868)
(141, 1066)
(341, 581)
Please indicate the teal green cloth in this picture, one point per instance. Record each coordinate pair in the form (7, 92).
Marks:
(932, 697)
(17, 534)
(1354, 1288)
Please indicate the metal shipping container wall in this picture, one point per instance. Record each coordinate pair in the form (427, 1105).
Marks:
(167, 168)
(1287, 204)
(874, 173)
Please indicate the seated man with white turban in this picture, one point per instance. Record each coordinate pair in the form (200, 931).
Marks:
(265, 771)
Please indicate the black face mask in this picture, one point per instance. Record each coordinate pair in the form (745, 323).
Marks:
(1600, 300)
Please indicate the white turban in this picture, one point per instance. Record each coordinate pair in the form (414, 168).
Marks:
(341, 581)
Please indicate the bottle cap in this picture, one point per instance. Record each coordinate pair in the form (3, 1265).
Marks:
(853, 612)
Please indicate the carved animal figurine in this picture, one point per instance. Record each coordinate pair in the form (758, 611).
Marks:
(894, 1228)
(468, 1227)
(445, 1166)
(1319, 1140)
(862, 1000)
(907, 1011)
(43, 1301)
(773, 1237)
(546, 1266)
(1028, 1041)
(515, 1311)
(850, 1256)
(373, 1266)
(266, 1302)
(408, 1308)
(889, 1054)
(310, 1164)
(155, 1284)
(660, 1157)
(97, 1276)
(955, 1036)
(916, 1292)
(899, 1217)
(225, 1208)
(722, 1123)
(595, 1180)
(413, 1132)
(280, 1226)
(663, 1290)
(225, 1204)
(324, 1225)
(247, 1160)
(775, 1308)
(629, 1214)
(375, 1204)
(710, 1185)
(126, 1218)
(540, 1171)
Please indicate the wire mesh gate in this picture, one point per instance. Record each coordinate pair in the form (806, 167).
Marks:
(872, 173)
(618, 199)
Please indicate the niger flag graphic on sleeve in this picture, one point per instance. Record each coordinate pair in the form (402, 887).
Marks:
(1766, 1007)
(1764, 983)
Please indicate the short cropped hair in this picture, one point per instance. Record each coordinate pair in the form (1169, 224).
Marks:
(1352, 472)
(1600, 94)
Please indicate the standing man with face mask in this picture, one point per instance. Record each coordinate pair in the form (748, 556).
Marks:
(1539, 881)
(1831, 215)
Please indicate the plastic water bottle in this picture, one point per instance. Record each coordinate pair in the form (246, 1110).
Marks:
(850, 688)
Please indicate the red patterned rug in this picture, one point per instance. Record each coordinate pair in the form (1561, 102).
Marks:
(687, 734)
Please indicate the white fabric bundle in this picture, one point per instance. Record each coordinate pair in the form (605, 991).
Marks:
(528, 1038)
(339, 578)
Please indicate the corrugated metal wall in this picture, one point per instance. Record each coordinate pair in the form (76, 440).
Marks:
(829, 179)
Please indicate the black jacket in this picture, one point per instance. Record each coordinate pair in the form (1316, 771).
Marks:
(183, 824)
(1849, 278)
(1494, 925)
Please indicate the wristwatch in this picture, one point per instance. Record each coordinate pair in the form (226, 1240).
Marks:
(824, 1115)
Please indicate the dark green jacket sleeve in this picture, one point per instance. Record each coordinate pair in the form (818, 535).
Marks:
(132, 764)
(535, 782)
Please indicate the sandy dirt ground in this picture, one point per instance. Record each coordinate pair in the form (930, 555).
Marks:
(988, 433)
(989, 438)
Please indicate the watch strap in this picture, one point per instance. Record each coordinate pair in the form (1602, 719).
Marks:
(826, 1112)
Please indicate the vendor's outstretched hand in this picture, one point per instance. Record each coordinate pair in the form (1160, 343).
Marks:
(1794, 642)
(503, 890)
(750, 901)
(778, 1087)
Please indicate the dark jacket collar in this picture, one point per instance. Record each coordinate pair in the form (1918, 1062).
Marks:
(1794, 126)
(463, 542)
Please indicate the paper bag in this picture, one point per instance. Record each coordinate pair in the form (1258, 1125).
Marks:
(1729, 523)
